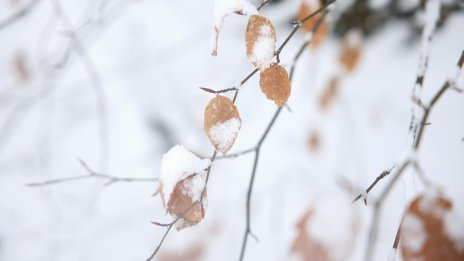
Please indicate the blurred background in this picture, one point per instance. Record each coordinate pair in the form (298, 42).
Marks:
(115, 84)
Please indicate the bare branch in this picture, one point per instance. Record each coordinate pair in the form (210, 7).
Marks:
(265, 2)
(237, 154)
(263, 137)
(91, 174)
(391, 184)
(97, 85)
(21, 13)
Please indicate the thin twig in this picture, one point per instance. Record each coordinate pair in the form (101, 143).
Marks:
(378, 205)
(263, 3)
(248, 230)
(21, 13)
(237, 154)
(90, 175)
(298, 24)
(96, 84)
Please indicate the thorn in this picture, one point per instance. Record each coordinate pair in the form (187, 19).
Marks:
(207, 90)
(160, 224)
(288, 108)
(253, 236)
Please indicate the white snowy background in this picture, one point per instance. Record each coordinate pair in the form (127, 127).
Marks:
(151, 57)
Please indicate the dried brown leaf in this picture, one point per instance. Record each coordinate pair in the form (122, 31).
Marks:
(307, 248)
(321, 217)
(329, 94)
(21, 67)
(307, 9)
(423, 235)
(350, 52)
(180, 204)
(275, 84)
(314, 141)
(260, 41)
(221, 123)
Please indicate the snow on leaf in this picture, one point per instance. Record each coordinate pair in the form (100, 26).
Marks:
(222, 123)
(223, 8)
(425, 230)
(182, 181)
(260, 41)
(275, 84)
(328, 230)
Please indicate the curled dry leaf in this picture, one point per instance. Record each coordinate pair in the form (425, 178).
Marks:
(275, 84)
(221, 123)
(329, 94)
(350, 52)
(327, 231)
(260, 41)
(308, 7)
(223, 8)
(430, 230)
(182, 186)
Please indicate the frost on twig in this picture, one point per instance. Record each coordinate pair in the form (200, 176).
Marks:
(223, 8)
(432, 14)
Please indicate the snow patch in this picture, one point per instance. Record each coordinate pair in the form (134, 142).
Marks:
(454, 229)
(414, 233)
(194, 187)
(223, 134)
(179, 163)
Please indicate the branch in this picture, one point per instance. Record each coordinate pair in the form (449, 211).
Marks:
(265, 134)
(91, 174)
(260, 142)
(390, 185)
(265, 2)
(97, 85)
(237, 154)
(298, 24)
(413, 139)
(21, 13)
